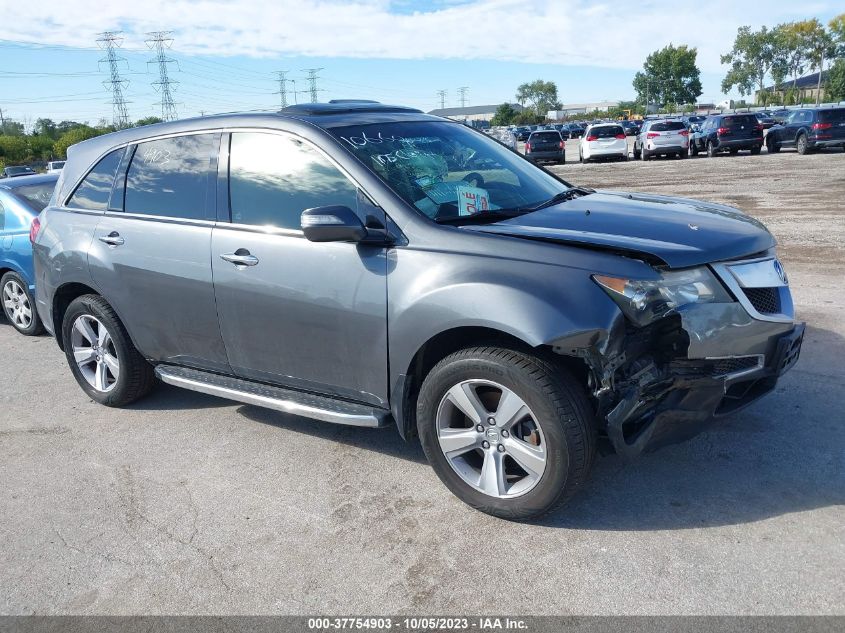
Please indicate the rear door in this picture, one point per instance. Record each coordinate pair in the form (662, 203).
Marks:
(545, 142)
(831, 124)
(742, 127)
(669, 134)
(151, 254)
(305, 315)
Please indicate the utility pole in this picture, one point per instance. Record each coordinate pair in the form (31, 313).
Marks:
(283, 93)
(110, 42)
(159, 41)
(462, 95)
(312, 82)
(442, 95)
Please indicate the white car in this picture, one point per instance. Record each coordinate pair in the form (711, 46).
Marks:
(55, 166)
(603, 140)
(665, 137)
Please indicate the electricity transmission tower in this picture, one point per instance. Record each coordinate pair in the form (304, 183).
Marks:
(462, 95)
(312, 82)
(110, 42)
(442, 95)
(283, 92)
(159, 41)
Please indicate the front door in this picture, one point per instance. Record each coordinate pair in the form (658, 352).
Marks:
(292, 312)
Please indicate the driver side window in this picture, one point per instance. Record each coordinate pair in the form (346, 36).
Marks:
(273, 178)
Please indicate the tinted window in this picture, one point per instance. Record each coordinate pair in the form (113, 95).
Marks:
(546, 137)
(274, 178)
(832, 116)
(735, 121)
(668, 126)
(93, 192)
(37, 196)
(169, 177)
(607, 131)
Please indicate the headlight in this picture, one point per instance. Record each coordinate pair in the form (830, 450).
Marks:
(644, 302)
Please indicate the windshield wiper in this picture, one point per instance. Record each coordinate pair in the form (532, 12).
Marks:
(563, 196)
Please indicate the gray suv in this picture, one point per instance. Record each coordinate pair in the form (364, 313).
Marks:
(372, 265)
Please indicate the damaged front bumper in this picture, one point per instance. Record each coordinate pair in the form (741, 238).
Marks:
(666, 382)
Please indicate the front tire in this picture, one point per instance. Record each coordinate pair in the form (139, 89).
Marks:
(801, 144)
(101, 355)
(509, 433)
(772, 146)
(19, 305)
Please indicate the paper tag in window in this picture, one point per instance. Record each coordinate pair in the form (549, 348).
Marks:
(472, 200)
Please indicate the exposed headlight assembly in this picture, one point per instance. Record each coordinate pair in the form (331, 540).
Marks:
(644, 302)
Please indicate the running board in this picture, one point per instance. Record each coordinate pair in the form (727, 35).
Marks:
(287, 400)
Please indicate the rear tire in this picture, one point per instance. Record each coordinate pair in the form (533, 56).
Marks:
(693, 150)
(711, 149)
(801, 144)
(772, 146)
(546, 426)
(19, 305)
(756, 150)
(101, 355)
(644, 155)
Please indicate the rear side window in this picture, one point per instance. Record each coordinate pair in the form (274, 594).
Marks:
(832, 116)
(273, 178)
(93, 192)
(546, 137)
(170, 177)
(668, 126)
(735, 121)
(607, 131)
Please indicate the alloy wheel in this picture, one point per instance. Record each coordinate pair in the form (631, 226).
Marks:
(94, 353)
(491, 439)
(16, 304)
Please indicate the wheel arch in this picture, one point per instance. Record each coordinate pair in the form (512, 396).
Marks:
(62, 298)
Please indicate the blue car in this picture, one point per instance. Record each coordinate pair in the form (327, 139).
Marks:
(21, 200)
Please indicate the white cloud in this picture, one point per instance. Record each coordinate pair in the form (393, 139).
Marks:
(565, 32)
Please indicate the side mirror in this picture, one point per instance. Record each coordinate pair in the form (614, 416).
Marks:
(334, 223)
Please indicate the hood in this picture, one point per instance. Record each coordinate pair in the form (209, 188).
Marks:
(678, 231)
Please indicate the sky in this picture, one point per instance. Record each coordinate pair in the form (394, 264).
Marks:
(226, 52)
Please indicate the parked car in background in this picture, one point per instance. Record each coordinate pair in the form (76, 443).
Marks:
(630, 128)
(603, 141)
(809, 129)
(728, 133)
(765, 119)
(55, 166)
(781, 115)
(693, 120)
(16, 171)
(505, 317)
(21, 200)
(522, 133)
(546, 146)
(662, 137)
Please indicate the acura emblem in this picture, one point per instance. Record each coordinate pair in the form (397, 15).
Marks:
(781, 272)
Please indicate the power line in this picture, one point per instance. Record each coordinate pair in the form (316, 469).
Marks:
(110, 42)
(159, 41)
(442, 95)
(462, 95)
(312, 82)
(283, 92)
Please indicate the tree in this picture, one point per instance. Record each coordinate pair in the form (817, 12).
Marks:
(45, 127)
(820, 47)
(149, 120)
(504, 115)
(836, 81)
(541, 95)
(11, 128)
(837, 32)
(71, 137)
(669, 75)
(751, 59)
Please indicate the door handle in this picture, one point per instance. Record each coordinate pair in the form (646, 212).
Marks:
(113, 239)
(240, 257)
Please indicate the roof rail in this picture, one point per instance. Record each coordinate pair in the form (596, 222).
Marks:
(344, 106)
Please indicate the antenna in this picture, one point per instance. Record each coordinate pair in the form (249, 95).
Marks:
(159, 41)
(110, 42)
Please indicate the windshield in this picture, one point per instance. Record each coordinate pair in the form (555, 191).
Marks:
(447, 171)
(36, 196)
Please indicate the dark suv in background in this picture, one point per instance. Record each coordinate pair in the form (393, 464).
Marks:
(546, 146)
(372, 265)
(728, 133)
(809, 129)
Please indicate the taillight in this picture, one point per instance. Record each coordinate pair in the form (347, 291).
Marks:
(620, 136)
(684, 132)
(562, 145)
(652, 135)
(723, 131)
(758, 128)
(34, 228)
(592, 138)
(822, 126)
(527, 147)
